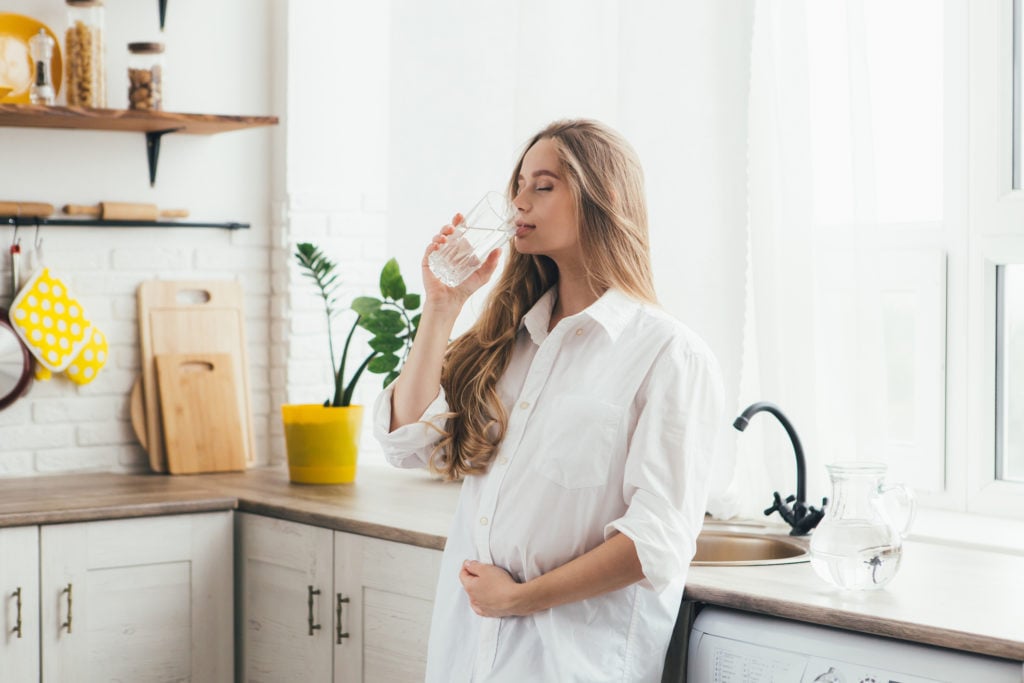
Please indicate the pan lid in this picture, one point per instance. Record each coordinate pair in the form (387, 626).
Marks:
(15, 364)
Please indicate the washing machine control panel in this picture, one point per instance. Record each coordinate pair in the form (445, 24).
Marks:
(830, 671)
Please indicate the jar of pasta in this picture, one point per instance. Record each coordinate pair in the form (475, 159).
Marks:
(83, 47)
(145, 75)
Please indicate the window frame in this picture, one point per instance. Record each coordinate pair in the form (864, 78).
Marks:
(995, 237)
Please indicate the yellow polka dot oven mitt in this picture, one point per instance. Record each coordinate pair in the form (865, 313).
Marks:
(56, 330)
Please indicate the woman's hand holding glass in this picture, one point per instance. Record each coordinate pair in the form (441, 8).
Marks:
(471, 240)
(462, 257)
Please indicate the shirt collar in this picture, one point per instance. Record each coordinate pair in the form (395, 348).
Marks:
(537, 318)
(612, 311)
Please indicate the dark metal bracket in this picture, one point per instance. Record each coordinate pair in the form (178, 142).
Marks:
(163, 12)
(153, 150)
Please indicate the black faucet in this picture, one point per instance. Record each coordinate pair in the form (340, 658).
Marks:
(801, 517)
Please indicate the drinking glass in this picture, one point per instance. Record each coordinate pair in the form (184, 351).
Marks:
(484, 228)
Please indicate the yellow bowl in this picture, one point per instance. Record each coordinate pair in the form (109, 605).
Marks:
(4, 90)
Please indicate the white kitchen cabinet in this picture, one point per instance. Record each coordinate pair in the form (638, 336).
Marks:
(19, 590)
(314, 601)
(146, 599)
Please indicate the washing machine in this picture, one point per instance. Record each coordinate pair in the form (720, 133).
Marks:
(730, 646)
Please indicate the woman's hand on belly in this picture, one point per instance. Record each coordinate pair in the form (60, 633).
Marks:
(492, 591)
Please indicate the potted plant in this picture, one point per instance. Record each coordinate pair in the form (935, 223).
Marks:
(323, 440)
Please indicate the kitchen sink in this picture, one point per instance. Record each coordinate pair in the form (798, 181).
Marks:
(732, 548)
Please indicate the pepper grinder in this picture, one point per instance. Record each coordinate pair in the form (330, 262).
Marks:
(41, 47)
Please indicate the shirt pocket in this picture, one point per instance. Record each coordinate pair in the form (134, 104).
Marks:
(579, 441)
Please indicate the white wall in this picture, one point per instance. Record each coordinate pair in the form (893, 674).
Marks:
(471, 85)
(394, 116)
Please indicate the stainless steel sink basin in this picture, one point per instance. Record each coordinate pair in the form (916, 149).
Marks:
(729, 548)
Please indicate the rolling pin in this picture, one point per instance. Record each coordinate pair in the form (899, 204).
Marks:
(26, 209)
(124, 211)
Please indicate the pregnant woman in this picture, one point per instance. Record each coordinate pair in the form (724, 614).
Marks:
(580, 418)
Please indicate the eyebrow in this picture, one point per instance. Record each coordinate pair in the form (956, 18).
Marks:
(540, 173)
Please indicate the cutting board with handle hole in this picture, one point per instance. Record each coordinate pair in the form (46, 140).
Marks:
(201, 416)
(191, 317)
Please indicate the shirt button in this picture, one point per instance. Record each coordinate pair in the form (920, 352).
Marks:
(483, 521)
(503, 460)
(524, 405)
(579, 332)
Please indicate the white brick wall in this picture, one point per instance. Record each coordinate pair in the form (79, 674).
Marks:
(336, 183)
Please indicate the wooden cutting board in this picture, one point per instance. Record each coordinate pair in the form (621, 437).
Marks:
(137, 411)
(201, 417)
(191, 317)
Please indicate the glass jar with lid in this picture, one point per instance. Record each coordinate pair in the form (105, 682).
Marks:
(83, 45)
(145, 76)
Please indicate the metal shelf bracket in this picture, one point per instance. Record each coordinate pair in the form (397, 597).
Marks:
(153, 151)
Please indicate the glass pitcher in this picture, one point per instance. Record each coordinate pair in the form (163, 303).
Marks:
(858, 544)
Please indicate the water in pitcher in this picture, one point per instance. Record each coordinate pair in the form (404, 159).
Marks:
(873, 563)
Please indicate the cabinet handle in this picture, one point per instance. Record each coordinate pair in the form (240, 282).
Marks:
(67, 624)
(341, 633)
(17, 624)
(313, 626)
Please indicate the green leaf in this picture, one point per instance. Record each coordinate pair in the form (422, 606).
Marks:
(411, 302)
(365, 305)
(382, 364)
(392, 286)
(392, 376)
(316, 266)
(383, 322)
(386, 344)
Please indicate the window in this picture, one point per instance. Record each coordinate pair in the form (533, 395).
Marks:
(1009, 369)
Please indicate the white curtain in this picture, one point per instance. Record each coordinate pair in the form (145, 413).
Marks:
(844, 325)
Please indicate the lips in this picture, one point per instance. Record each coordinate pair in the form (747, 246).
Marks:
(523, 228)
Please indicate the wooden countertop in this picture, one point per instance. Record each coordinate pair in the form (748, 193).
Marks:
(954, 597)
(949, 596)
(408, 506)
(87, 497)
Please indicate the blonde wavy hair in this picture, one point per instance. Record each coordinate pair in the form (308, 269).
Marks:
(606, 182)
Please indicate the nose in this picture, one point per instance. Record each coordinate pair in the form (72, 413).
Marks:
(520, 203)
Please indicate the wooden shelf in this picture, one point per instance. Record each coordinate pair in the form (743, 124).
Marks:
(154, 124)
(138, 121)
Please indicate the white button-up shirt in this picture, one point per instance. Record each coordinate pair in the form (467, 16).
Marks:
(612, 419)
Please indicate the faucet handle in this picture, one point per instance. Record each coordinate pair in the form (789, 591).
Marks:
(782, 507)
(811, 519)
(777, 505)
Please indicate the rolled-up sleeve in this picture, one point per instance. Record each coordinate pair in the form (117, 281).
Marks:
(668, 465)
(410, 445)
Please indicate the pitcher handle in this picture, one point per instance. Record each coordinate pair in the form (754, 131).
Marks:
(904, 496)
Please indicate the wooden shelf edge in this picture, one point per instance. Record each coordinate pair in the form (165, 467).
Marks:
(42, 116)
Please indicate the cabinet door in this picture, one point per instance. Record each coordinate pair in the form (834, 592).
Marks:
(147, 599)
(19, 599)
(389, 588)
(283, 622)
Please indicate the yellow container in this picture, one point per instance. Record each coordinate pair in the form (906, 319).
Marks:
(322, 443)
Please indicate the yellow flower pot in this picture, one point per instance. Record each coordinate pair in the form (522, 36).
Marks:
(322, 443)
